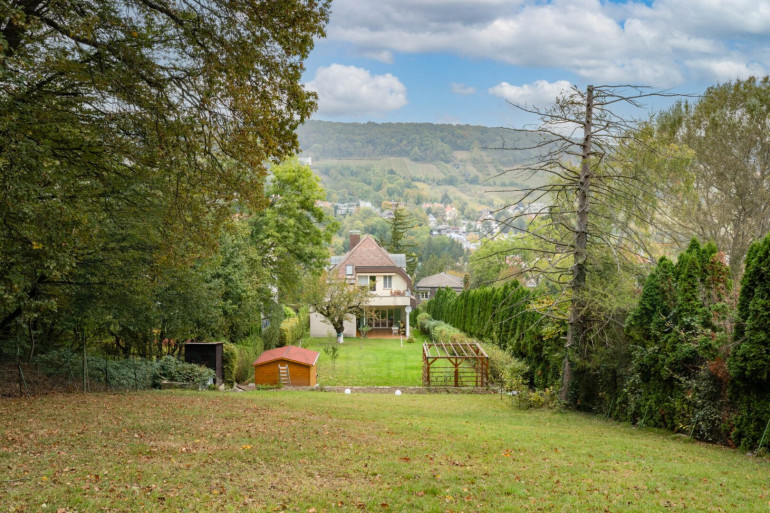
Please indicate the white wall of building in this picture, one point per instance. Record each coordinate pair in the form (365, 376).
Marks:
(321, 327)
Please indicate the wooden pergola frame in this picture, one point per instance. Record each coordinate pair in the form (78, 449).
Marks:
(468, 364)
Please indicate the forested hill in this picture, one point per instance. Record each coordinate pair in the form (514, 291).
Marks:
(419, 142)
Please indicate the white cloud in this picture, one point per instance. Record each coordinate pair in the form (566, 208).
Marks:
(462, 89)
(351, 91)
(722, 70)
(385, 56)
(660, 44)
(539, 93)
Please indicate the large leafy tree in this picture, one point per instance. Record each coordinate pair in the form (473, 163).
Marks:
(129, 128)
(728, 195)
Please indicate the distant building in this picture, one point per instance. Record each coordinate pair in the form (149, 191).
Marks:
(305, 161)
(343, 209)
(427, 287)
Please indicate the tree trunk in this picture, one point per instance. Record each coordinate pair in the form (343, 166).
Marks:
(576, 326)
(339, 328)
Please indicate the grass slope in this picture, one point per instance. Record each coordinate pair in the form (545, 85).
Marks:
(370, 362)
(323, 452)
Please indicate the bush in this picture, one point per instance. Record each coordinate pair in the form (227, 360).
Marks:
(125, 374)
(271, 335)
(292, 330)
(172, 369)
(248, 351)
(229, 363)
(749, 362)
(288, 313)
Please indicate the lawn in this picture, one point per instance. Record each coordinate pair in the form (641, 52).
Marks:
(327, 452)
(370, 362)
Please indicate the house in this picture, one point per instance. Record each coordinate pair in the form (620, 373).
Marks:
(289, 365)
(426, 288)
(367, 264)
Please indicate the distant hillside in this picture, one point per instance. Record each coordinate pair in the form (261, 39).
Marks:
(415, 162)
(420, 142)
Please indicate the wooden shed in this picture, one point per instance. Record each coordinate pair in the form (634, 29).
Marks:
(290, 366)
(208, 354)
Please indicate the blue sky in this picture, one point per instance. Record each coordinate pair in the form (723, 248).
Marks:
(457, 61)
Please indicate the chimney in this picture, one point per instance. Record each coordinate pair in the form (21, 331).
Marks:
(355, 238)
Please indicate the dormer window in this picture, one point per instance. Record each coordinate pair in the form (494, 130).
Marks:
(348, 270)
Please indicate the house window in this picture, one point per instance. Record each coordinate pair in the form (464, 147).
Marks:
(424, 294)
(363, 280)
(349, 270)
(372, 283)
(387, 282)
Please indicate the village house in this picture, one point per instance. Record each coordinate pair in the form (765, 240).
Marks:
(367, 264)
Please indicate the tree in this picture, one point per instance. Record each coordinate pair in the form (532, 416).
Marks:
(749, 362)
(399, 226)
(336, 299)
(599, 197)
(291, 235)
(728, 198)
(130, 129)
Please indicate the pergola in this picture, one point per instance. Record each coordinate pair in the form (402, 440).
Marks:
(459, 364)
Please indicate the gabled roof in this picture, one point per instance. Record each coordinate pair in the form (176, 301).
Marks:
(292, 353)
(440, 280)
(368, 253)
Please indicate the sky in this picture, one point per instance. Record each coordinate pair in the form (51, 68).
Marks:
(457, 61)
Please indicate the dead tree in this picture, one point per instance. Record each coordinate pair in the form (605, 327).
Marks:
(600, 192)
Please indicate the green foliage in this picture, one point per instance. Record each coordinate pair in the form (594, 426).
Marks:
(506, 371)
(332, 350)
(126, 152)
(229, 363)
(123, 374)
(749, 362)
(293, 329)
(172, 369)
(725, 130)
(679, 334)
(247, 355)
(505, 316)
(271, 336)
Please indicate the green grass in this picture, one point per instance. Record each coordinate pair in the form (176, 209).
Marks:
(324, 452)
(370, 362)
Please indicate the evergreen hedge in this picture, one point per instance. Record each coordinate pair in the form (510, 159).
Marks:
(501, 315)
(679, 341)
(749, 362)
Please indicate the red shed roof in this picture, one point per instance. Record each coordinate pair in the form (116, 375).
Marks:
(292, 353)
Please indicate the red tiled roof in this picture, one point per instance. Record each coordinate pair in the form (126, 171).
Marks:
(367, 253)
(291, 353)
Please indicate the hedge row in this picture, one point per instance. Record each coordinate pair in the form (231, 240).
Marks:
(125, 374)
(294, 328)
(502, 315)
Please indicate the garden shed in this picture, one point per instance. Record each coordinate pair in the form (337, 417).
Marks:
(289, 366)
(208, 354)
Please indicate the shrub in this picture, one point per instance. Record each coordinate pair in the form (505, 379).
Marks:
(248, 351)
(124, 374)
(291, 331)
(749, 362)
(505, 370)
(229, 363)
(169, 368)
(271, 336)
